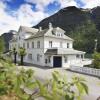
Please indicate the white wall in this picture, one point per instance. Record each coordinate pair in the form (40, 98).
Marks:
(34, 51)
(56, 42)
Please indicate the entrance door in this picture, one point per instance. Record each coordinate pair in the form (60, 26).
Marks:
(57, 61)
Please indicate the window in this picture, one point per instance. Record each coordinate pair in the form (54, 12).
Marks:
(19, 37)
(82, 56)
(50, 44)
(23, 45)
(38, 44)
(30, 56)
(77, 56)
(67, 45)
(49, 59)
(46, 61)
(65, 59)
(60, 44)
(38, 57)
(18, 45)
(32, 44)
(27, 44)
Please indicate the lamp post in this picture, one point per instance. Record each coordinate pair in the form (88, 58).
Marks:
(95, 49)
(15, 53)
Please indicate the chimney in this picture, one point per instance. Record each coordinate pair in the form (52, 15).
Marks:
(40, 28)
(50, 25)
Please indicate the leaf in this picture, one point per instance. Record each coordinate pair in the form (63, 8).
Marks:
(85, 87)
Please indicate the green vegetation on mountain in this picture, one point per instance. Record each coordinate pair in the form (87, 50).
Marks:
(96, 60)
(84, 37)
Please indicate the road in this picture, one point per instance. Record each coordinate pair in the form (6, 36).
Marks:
(92, 82)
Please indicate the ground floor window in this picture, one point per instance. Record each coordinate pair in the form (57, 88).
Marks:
(49, 59)
(65, 59)
(77, 56)
(46, 61)
(82, 56)
(38, 57)
(30, 56)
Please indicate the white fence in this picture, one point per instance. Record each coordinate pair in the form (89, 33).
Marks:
(86, 70)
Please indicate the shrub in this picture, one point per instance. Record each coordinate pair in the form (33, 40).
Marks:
(20, 84)
(96, 60)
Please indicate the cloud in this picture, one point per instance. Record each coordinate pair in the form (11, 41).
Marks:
(66, 3)
(40, 4)
(23, 16)
(91, 3)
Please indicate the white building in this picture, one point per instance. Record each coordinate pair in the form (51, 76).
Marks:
(48, 47)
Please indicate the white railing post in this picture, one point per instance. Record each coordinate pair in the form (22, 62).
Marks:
(86, 70)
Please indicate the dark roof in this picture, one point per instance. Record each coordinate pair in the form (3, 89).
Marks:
(39, 33)
(63, 51)
(51, 51)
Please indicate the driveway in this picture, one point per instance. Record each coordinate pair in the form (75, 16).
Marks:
(92, 82)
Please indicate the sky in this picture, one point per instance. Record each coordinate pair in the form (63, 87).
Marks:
(14, 13)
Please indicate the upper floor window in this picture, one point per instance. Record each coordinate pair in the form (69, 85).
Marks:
(27, 44)
(50, 44)
(60, 44)
(19, 37)
(38, 44)
(23, 45)
(67, 45)
(32, 44)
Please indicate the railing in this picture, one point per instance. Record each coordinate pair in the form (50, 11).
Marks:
(86, 70)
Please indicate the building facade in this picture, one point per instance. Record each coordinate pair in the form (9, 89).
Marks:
(47, 47)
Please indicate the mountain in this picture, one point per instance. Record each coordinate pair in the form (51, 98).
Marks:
(66, 18)
(81, 24)
(7, 37)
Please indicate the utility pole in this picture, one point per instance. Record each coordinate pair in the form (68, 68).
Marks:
(95, 49)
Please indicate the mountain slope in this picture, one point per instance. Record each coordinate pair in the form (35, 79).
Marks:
(7, 37)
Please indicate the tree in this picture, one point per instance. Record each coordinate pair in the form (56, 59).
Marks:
(96, 60)
(22, 53)
(21, 84)
(84, 37)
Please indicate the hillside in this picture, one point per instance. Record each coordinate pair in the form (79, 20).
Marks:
(7, 37)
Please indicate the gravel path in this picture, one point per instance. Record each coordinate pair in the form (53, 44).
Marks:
(92, 82)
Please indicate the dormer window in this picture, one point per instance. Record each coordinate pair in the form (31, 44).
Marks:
(38, 44)
(53, 32)
(67, 45)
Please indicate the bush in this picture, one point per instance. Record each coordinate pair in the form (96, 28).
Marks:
(96, 60)
(21, 84)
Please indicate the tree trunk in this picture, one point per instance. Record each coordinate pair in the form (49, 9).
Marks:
(15, 58)
(21, 59)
